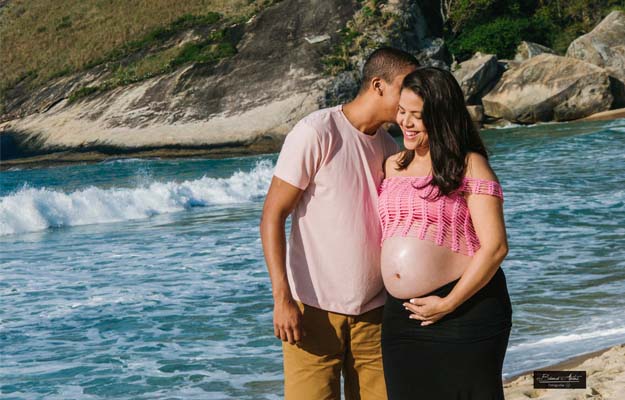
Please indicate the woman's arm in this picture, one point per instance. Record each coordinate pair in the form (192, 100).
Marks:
(488, 220)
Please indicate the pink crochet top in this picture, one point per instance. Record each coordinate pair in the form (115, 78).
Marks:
(445, 221)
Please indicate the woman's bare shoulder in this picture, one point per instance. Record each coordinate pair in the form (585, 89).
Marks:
(390, 164)
(478, 167)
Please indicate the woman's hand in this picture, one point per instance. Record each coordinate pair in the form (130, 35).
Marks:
(428, 309)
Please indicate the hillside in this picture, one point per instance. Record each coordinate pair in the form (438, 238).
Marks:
(41, 40)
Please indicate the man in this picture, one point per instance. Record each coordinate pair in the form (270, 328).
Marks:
(328, 291)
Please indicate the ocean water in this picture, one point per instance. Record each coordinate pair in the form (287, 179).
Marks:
(144, 279)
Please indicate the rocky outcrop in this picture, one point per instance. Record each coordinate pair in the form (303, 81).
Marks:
(275, 78)
(256, 95)
(540, 86)
(476, 76)
(415, 27)
(418, 28)
(605, 46)
(245, 103)
(248, 101)
(527, 50)
(549, 87)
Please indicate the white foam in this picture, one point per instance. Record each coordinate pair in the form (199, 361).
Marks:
(573, 337)
(508, 124)
(126, 160)
(33, 209)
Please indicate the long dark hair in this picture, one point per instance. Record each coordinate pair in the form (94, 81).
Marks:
(452, 134)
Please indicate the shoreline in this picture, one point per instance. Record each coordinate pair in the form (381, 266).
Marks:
(605, 370)
(71, 157)
(568, 363)
(265, 146)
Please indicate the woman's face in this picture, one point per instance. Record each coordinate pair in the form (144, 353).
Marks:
(409, 119)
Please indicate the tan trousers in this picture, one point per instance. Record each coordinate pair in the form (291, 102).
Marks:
(335, 343)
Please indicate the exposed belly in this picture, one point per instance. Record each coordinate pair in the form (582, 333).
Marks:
(412, 267)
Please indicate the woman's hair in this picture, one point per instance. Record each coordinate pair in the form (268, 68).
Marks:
(452, 133)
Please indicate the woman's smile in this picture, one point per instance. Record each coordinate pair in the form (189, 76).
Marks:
(410, 134)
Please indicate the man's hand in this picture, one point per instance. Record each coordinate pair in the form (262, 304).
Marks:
(287, 321)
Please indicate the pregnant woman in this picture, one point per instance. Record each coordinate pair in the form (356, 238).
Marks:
(447, 317)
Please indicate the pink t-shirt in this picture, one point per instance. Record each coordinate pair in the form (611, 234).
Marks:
(333, 253)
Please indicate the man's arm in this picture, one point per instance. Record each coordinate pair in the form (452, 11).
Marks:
(281, 199)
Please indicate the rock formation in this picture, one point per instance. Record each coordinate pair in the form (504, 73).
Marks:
(527, 50)
(549, 87)
(245, 103)
(605, 46)
(476, 76)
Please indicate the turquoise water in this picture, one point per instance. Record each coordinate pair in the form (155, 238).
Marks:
(137, 279)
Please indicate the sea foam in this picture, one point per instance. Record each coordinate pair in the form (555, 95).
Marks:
(569, 338)
(34, 209)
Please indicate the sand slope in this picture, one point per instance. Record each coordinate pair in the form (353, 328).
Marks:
(605, 371)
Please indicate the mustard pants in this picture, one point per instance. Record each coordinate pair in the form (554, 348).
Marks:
(335, 343)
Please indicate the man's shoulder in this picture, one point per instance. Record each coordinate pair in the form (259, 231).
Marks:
(321, 119)
(315, 128)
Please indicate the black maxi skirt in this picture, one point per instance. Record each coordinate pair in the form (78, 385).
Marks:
(458, 357)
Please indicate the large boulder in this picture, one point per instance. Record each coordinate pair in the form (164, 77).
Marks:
(476, 113)
(476, 76)
(527, 50)
(605, 46)
(505, 64)
(549, 87)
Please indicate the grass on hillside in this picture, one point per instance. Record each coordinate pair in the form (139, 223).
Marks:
(43, 39)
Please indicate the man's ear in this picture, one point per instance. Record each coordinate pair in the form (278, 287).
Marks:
(377, 85)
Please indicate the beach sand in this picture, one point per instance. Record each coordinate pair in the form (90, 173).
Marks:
(606, 115)
(605, 378)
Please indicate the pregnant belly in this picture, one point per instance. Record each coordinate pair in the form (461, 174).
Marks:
(412, 267)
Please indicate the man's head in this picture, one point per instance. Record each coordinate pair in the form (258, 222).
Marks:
(382, 77)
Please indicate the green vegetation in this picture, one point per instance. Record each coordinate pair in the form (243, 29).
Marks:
(40, 40)
(358, 36)
(498, 26)
(212, 48)
(159, 36)
(488, 26)
(500, 36)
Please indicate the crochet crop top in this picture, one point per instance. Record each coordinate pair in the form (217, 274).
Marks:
(445, 221)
